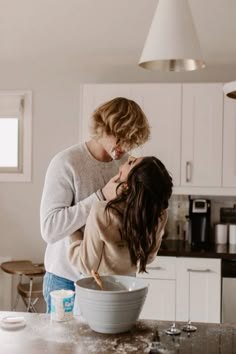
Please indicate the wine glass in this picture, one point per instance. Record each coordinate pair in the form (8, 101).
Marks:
(173, 330)
(188, 327)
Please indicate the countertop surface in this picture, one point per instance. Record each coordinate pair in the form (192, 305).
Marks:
(177, 248)
(41, 335)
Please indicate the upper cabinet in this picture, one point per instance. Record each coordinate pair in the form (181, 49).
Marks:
(193, 131)
(202, 129)
(229, 139)
(162, 106)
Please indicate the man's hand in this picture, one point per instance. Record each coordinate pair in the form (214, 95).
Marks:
(109, 190)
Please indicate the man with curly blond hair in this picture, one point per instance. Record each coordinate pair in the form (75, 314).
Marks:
(81, 175)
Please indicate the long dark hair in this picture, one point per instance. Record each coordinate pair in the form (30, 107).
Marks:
(140, 204)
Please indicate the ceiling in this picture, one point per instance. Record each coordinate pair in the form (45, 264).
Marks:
(93, 35)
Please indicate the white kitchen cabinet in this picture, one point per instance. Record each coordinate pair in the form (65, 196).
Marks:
(229, 147)
(191, 131)
(162, 106)
(198, 291)
(181, 287)
(160, 301)
(202, 127)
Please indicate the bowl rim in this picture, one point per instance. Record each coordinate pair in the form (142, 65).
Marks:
(146, 286)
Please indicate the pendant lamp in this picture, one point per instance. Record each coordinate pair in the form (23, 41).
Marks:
(172, 43)
(230, 89)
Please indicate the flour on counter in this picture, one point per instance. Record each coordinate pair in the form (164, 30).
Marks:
(77, 333)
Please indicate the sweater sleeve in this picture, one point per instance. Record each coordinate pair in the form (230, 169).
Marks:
(86, 254)
(58, 216)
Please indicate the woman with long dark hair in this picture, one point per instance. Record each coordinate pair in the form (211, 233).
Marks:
(123, 235)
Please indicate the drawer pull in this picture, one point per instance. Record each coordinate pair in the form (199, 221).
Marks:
(188, 172)
(198, 270)
(155, 268)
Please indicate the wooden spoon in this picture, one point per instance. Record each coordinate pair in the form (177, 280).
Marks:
(97, 279)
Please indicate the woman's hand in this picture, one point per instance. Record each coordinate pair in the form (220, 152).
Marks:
(109, 190)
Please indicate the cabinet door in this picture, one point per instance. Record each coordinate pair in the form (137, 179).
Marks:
(162, 105)
(160, 301)
(201, 163)
(198, 291)
(229, 148)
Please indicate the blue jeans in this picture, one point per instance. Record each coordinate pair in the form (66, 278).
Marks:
(53, 282)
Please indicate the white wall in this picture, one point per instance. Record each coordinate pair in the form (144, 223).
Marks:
(55, 106)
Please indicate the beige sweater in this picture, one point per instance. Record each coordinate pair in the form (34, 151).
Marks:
(101, 247)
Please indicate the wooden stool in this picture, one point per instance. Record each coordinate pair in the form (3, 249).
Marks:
(29, 291)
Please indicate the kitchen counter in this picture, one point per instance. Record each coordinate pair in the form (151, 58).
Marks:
(177, 248)
(41, 335)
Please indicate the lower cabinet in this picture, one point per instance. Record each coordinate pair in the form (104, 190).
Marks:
(183, 288)
(160, 301)
(198, 293)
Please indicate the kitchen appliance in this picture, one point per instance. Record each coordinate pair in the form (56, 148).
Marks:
(228, 290)
(199, 223)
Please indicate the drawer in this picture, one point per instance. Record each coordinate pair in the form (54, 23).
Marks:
(160, 268)
(200, 265)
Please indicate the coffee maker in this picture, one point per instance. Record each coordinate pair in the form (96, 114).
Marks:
(199, 223)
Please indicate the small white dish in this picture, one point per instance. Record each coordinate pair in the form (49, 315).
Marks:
(12, 322)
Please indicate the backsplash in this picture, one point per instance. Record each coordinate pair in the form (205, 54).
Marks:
(177, 224)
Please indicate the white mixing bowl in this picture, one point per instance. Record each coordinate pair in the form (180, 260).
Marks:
(115, 309)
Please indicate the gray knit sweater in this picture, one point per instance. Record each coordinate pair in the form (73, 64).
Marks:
(72, 178)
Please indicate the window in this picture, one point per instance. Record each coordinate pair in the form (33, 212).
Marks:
(15, 136)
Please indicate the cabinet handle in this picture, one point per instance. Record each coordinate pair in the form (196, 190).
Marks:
(188, 171)
(198, 270)
(155, 268)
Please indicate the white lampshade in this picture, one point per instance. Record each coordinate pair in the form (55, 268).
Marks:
(230, 89)
(172, 43)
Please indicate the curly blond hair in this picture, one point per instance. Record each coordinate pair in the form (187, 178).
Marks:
(122, 118)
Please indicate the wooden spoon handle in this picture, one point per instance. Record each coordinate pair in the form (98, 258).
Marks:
(97, 279)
